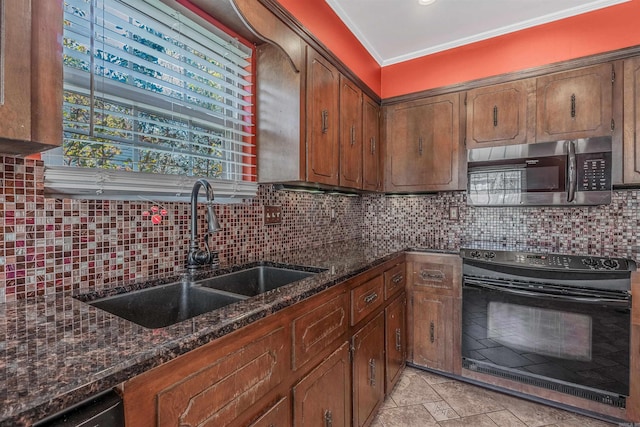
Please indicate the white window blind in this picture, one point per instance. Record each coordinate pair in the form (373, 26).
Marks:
(148, 91)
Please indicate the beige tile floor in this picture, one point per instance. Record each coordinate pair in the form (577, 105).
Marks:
(422, 399)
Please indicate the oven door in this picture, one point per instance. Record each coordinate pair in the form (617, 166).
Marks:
(547, 333)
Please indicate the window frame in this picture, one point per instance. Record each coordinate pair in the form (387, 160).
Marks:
(97, 183)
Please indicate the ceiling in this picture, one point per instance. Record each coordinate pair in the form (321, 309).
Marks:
(398, 30)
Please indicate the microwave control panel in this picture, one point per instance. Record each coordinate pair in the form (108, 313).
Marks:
(594, 171)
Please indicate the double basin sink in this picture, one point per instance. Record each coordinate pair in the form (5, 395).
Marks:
(165, 305)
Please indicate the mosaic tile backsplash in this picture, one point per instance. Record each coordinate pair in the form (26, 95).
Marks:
(50, 245)
(430, 221)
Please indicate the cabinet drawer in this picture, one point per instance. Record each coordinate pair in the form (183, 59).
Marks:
(395, 280)
(433, 275)
(366, 298)
(279, 415)
(220, 392)
(318, 328)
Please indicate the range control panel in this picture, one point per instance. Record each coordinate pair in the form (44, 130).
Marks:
(549, 261)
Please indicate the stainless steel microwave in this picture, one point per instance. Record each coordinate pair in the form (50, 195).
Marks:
(566, 173)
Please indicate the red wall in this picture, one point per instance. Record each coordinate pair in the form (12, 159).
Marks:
(603, 30)
(324, 24)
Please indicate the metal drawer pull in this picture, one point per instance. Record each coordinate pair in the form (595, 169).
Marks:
(420, 146)
(325, 121)
(573, 105)
(398, 340)
(328, 418)
(425, 275)
(373, 145)
(495, 116)
(397, 278)
(372, 372)
(432, 332)
(353, 135)
(370, 298)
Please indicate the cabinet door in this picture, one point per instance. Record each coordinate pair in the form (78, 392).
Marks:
(423, 145)
(370, 145)
(279, 415)
(501, 114)
(631, 153)
(323, 397)
(223, 390)
(318, 328)
(323, 154)
(431, 330)
(15, 74)
(395, 341)
(575, 104)
(31, 78)
(350, 134)
(368, 370)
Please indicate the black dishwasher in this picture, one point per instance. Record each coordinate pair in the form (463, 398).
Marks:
(102, 410)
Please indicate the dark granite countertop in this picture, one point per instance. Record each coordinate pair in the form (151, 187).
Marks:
(59, 351)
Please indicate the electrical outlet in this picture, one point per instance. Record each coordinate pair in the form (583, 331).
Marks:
(272, 214)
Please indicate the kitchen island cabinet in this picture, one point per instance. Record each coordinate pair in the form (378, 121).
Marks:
(434, 311)
(31, 88)
(422, 150)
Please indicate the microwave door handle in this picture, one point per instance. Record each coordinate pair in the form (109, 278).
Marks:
(572, 172)
(609, 301)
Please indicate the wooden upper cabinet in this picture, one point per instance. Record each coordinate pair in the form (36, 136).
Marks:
(370, 145)
(631, 121)
(323, 120)
(422, 145)
(575, 104)
(350, 134)
(31, 77)
(501, 114)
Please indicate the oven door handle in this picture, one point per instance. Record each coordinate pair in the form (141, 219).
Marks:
(610, 301)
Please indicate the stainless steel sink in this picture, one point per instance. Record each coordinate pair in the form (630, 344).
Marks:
(256, 280)
(165, 305)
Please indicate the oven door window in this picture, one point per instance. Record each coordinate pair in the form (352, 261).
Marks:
(542, 331)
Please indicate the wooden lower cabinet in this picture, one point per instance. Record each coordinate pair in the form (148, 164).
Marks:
(323, 397)
(318, 327)
(395, 341)
(431, 330)
(434, 311)
(279, 415)
(325, 361)
(218, 384)
(368, 370)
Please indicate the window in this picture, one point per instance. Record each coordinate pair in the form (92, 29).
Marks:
(152, 101)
